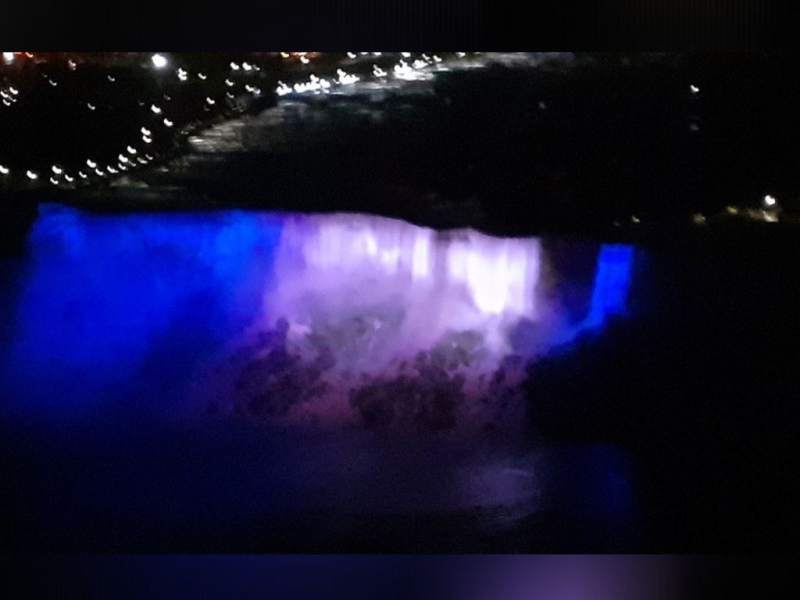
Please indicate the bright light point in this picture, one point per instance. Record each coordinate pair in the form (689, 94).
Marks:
(91, 106)
(57, 170)
(694, 89)
(210, 101)
(304, 60)
(234, 66)
(8, 57)
(405, 54)
(699, 219)
(90, 163)
(155, 109)
(111, 79)
(345, 78)
(99, 172)
(159, 61)
(53, 181)
(131, 150)
(147, 140)
(461, 54)
(13, 90)
(122, 158)
(403, 70)
(112, 170)
(69, 179)
(4, 170)
(145, 131)
(229, 83)
(31, 175)
(82, 175)
(246, 66)
(635, 220)
(168, 123)
(769, 200)
(202, 76)
(377, 71)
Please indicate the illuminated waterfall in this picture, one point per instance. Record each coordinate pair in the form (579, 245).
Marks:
(338, 265)
(374, 313)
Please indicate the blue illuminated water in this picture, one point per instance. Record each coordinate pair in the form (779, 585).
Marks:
(118, 312)
(108, 308)
(612, 283)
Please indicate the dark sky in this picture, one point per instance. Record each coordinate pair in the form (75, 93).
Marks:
(401, 25)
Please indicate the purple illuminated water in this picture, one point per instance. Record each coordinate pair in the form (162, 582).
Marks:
(262, 327)
(370, 321)
(332, 318)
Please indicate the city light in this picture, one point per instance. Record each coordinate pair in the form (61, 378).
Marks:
(102, 105)
(159, 61)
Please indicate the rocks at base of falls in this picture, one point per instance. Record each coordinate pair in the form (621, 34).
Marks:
(439, 389)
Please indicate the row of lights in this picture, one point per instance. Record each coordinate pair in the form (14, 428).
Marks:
(401, 70)
(123, 162)
(768, 213)
(159, 61)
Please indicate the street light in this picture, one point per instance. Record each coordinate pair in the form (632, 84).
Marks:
(159, 61)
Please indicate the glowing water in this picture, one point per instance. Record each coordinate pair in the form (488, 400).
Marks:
(329, 267)
(328, 313)
(612, 283)
(403, 323)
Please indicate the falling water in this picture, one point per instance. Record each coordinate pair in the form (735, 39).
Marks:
(352, 324)
(335, 317)
(385, 322)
